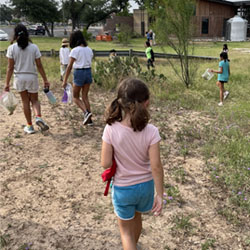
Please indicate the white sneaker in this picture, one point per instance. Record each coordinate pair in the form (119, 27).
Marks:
(225, 95)
(40, 123)
(29, 129)
(220, 104)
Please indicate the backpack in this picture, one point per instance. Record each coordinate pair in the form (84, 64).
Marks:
(152, 55)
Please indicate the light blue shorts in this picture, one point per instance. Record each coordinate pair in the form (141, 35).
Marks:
(130, 199)
(82, 76)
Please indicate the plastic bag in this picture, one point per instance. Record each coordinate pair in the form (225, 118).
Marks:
(208, 75)
(68, 94)
(9, 102)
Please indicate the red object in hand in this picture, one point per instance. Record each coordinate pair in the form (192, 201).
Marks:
(107, 176)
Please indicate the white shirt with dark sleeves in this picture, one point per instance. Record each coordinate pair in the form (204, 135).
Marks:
(24, 58)
(83, 57)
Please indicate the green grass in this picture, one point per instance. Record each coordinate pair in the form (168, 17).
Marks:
(202, 48)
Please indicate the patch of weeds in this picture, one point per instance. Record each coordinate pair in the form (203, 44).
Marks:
(25, 246)
(247, 241)
(78, 132)
(7, 141)
(229, 215)
(172, 194)
(182, 224)
(209, 243)
(45, 165)
(38, 178)
(229, 145)
(3, 240)
(180, 175)
(18, 135)
(167, 247)
(98, 217)
(165, 152)
(76, 206)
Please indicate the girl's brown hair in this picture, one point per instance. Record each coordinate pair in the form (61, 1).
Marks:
(132, 93)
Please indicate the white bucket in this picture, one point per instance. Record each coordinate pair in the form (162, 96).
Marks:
(208, 75)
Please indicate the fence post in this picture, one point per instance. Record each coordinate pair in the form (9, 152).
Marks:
(130, 53)
(52, 52)
(93, 53)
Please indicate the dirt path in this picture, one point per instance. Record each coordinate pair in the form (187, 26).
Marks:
(52, 192)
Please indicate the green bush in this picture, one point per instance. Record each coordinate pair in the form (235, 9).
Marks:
(109, 73)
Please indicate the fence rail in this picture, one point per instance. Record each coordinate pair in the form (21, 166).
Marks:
(105, 53)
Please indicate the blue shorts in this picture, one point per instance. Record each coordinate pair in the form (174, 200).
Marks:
(82, 76)
(130, 199)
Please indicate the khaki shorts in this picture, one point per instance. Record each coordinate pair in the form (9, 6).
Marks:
(23, 82)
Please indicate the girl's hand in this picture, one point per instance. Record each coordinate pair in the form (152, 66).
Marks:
(157, 206)
(64, 85)
(46, 84)
(211, 70)
(7, 88)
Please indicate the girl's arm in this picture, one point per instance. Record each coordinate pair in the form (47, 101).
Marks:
(217, 71)
(106, 155)
(42, 72)
(9, 73)
(157, 171)
(68, 70)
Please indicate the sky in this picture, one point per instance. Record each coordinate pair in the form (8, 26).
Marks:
(134, 5)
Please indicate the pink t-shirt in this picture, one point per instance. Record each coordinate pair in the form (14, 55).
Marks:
(131, 152)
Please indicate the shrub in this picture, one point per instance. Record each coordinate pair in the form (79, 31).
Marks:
(108, 74)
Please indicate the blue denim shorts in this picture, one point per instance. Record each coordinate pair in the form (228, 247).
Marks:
(82, 76)
(130, 199)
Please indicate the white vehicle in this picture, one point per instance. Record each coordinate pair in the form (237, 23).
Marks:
(3, 36)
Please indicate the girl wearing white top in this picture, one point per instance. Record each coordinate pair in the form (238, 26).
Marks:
(80, 59)
(23, 58)
(64, 57)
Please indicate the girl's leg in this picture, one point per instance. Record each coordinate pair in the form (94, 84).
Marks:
(35, 103)
(85, 98)
(77, 100)
(127, 232)
(221, 86)
(138, 226)
(26, 106)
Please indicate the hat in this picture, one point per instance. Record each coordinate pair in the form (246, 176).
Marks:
(65, 42)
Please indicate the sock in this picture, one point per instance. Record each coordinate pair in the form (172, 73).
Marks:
(39, 116)
(29, 124)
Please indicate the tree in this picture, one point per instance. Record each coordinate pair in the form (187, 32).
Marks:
(40, 11)
(90, 12)
(173, 25)
(6, 13)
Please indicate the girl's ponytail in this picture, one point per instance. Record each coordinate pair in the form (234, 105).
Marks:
(139, 116)
(114, 112)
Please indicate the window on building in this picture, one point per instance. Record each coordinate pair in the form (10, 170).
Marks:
(205, 25)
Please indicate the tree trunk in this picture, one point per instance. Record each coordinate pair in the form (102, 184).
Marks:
(52, 29)
(47, 29)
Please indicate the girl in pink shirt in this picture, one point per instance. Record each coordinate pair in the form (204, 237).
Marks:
(134, 144)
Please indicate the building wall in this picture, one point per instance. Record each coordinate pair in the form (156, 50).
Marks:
(141, 16)
(216, 13)
(114, 21)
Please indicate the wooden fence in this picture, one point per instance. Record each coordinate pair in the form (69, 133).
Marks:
(105, 53)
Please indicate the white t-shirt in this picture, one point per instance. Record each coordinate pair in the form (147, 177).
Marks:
(24, 58)
(64, 56)
(83, 56)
